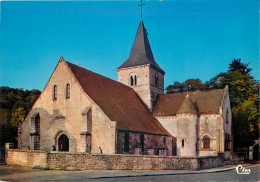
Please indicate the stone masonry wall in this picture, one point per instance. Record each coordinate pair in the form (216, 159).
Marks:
(85, 161)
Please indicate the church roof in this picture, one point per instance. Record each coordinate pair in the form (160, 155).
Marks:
(204, 102)
(141, 53)
(118, 101)
(187, 106)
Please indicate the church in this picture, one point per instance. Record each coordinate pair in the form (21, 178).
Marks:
(82, 111)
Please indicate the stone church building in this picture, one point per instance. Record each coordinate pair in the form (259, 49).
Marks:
(82, 111)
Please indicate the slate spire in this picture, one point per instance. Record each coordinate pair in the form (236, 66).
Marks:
(141, 53)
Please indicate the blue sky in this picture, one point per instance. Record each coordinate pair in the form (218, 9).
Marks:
(189, 38)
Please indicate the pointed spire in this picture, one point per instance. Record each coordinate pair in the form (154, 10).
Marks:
(187, 106)
(141, 53)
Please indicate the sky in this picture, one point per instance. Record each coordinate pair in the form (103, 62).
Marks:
(189, 38)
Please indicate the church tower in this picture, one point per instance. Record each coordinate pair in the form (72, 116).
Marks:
(140, 71)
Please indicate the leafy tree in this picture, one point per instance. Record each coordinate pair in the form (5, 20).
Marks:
(17, 117)
(188, 85)
(193, 84)
(17, 103)
(237, 65)
(218, 82)
(175, 88)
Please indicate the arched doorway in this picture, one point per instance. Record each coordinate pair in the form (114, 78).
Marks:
(63, 143)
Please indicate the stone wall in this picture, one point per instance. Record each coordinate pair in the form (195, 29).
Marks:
(85, 161)
(27, 158)
(209, 162)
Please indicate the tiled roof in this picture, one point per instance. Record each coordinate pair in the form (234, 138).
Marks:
(118, 101)
(205, 102)
(141, 53)
(187, 106)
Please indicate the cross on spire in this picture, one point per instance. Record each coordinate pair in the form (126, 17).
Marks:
(142, 4)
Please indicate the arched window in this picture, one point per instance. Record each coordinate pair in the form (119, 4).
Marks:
(206, 142)
(156, 79)
(55, 92)
(67, 91)
(135, 80)
(63, 143)
(227, 117)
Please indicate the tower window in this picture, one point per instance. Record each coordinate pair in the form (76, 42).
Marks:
(55, 92)
(182, 142)
(133, 80)
(156, 79)
(67, 91)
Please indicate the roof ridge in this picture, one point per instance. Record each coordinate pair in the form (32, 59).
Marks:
(185, 92)
(99, 75)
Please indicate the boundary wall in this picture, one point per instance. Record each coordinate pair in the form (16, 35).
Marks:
(86, 161)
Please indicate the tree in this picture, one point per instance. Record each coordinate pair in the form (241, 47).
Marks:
(237, 65)
(17, 104)
(175, 88)
(188, 85)
(193, 84)
(17, 117)
(218, 82)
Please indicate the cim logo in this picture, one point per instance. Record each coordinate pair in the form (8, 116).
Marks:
(242, 170)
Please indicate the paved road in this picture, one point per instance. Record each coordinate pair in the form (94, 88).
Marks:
(26, 174)
(217, 176)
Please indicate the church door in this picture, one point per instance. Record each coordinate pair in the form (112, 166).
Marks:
(63, 143)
